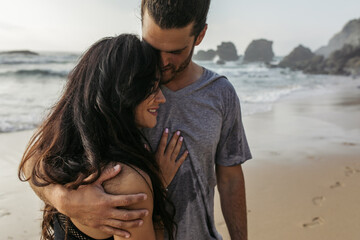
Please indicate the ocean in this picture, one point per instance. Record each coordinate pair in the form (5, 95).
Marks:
(31, 84)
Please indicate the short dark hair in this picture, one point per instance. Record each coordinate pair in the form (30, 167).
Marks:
(177, 13)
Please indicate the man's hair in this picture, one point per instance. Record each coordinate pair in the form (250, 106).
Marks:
(177, 13)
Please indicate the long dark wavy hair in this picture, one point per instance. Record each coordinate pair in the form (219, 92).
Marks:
(93, 123)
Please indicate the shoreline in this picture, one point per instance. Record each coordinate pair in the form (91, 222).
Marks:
(302, 182)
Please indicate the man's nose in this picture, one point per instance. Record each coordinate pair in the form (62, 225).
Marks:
(165, 59)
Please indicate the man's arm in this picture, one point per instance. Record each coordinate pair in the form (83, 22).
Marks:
(91, 206)
(130, 180)
(231, 186)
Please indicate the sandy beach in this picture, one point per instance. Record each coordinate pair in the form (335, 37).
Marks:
(303, 182)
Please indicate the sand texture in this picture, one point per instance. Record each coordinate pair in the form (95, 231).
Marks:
(303, 183)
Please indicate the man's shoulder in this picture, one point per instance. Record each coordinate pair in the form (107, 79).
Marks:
(219, 83)
(212, 77)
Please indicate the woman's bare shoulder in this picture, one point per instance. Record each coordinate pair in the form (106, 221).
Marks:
(130, 180)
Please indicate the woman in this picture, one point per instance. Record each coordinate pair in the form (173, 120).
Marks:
(111, 94)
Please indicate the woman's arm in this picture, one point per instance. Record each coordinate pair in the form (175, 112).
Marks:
(129, 181)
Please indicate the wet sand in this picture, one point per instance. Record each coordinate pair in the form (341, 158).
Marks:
(303, 182)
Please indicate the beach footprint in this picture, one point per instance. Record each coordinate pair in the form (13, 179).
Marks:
(316, 221)
(318, 201)
(336, 185)
(349, 144)
(349, 171)
(4, 213)
(274, 153)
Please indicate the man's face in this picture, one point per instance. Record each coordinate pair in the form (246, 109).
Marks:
(175, 45)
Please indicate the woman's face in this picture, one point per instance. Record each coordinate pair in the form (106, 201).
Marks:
(146, 112)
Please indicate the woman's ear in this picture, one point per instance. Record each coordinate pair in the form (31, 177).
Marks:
(201, 36)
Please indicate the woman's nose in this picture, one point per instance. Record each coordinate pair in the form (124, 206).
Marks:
(160, 98)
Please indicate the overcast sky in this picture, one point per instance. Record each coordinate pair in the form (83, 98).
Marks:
(73, 25)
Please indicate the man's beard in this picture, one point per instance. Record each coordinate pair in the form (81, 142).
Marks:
(175, 72)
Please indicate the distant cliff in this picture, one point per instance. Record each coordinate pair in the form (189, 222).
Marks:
(350, 34)
(345, 61)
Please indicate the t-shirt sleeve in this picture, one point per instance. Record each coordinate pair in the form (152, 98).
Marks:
(233, 148)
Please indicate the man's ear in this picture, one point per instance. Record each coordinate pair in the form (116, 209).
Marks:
(201, 36)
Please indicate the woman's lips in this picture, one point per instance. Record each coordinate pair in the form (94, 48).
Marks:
(153, 111)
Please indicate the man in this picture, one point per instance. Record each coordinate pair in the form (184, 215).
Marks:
(205, 108)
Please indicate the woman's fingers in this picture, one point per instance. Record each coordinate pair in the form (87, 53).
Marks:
(171, 146)
(177, 148)
(182, 159)
(163, 142)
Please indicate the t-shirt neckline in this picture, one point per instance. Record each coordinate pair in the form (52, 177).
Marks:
(188, 88)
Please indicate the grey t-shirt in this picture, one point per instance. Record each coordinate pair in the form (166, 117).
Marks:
(208, 115)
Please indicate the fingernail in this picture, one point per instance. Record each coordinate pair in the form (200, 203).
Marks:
(187, 152)
(181, 138)
(166, 130)
(116, 167)
(145, 197)
(141, 222)
(127, 235)
(146, 213)
(178, 133)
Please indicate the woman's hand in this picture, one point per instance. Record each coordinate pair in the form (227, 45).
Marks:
(166, 156)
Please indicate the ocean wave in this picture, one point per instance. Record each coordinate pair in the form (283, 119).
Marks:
(269, 96)
(18, 59)
(35, 62)
(36, 72)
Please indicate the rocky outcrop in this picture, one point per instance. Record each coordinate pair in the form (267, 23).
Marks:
(227, 51)
(220, 62)
(259, 51)
(350, 34)
(297, 58)
(315, 65)
(22, 52)
(202, 55)
(352, 66)
(345, 61)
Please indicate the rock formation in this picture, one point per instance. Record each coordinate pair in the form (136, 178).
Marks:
(23, 52)
(297, 58)
(227, 51)
(259, 51)
(350, 34)
(345, 61)
(202, 55)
